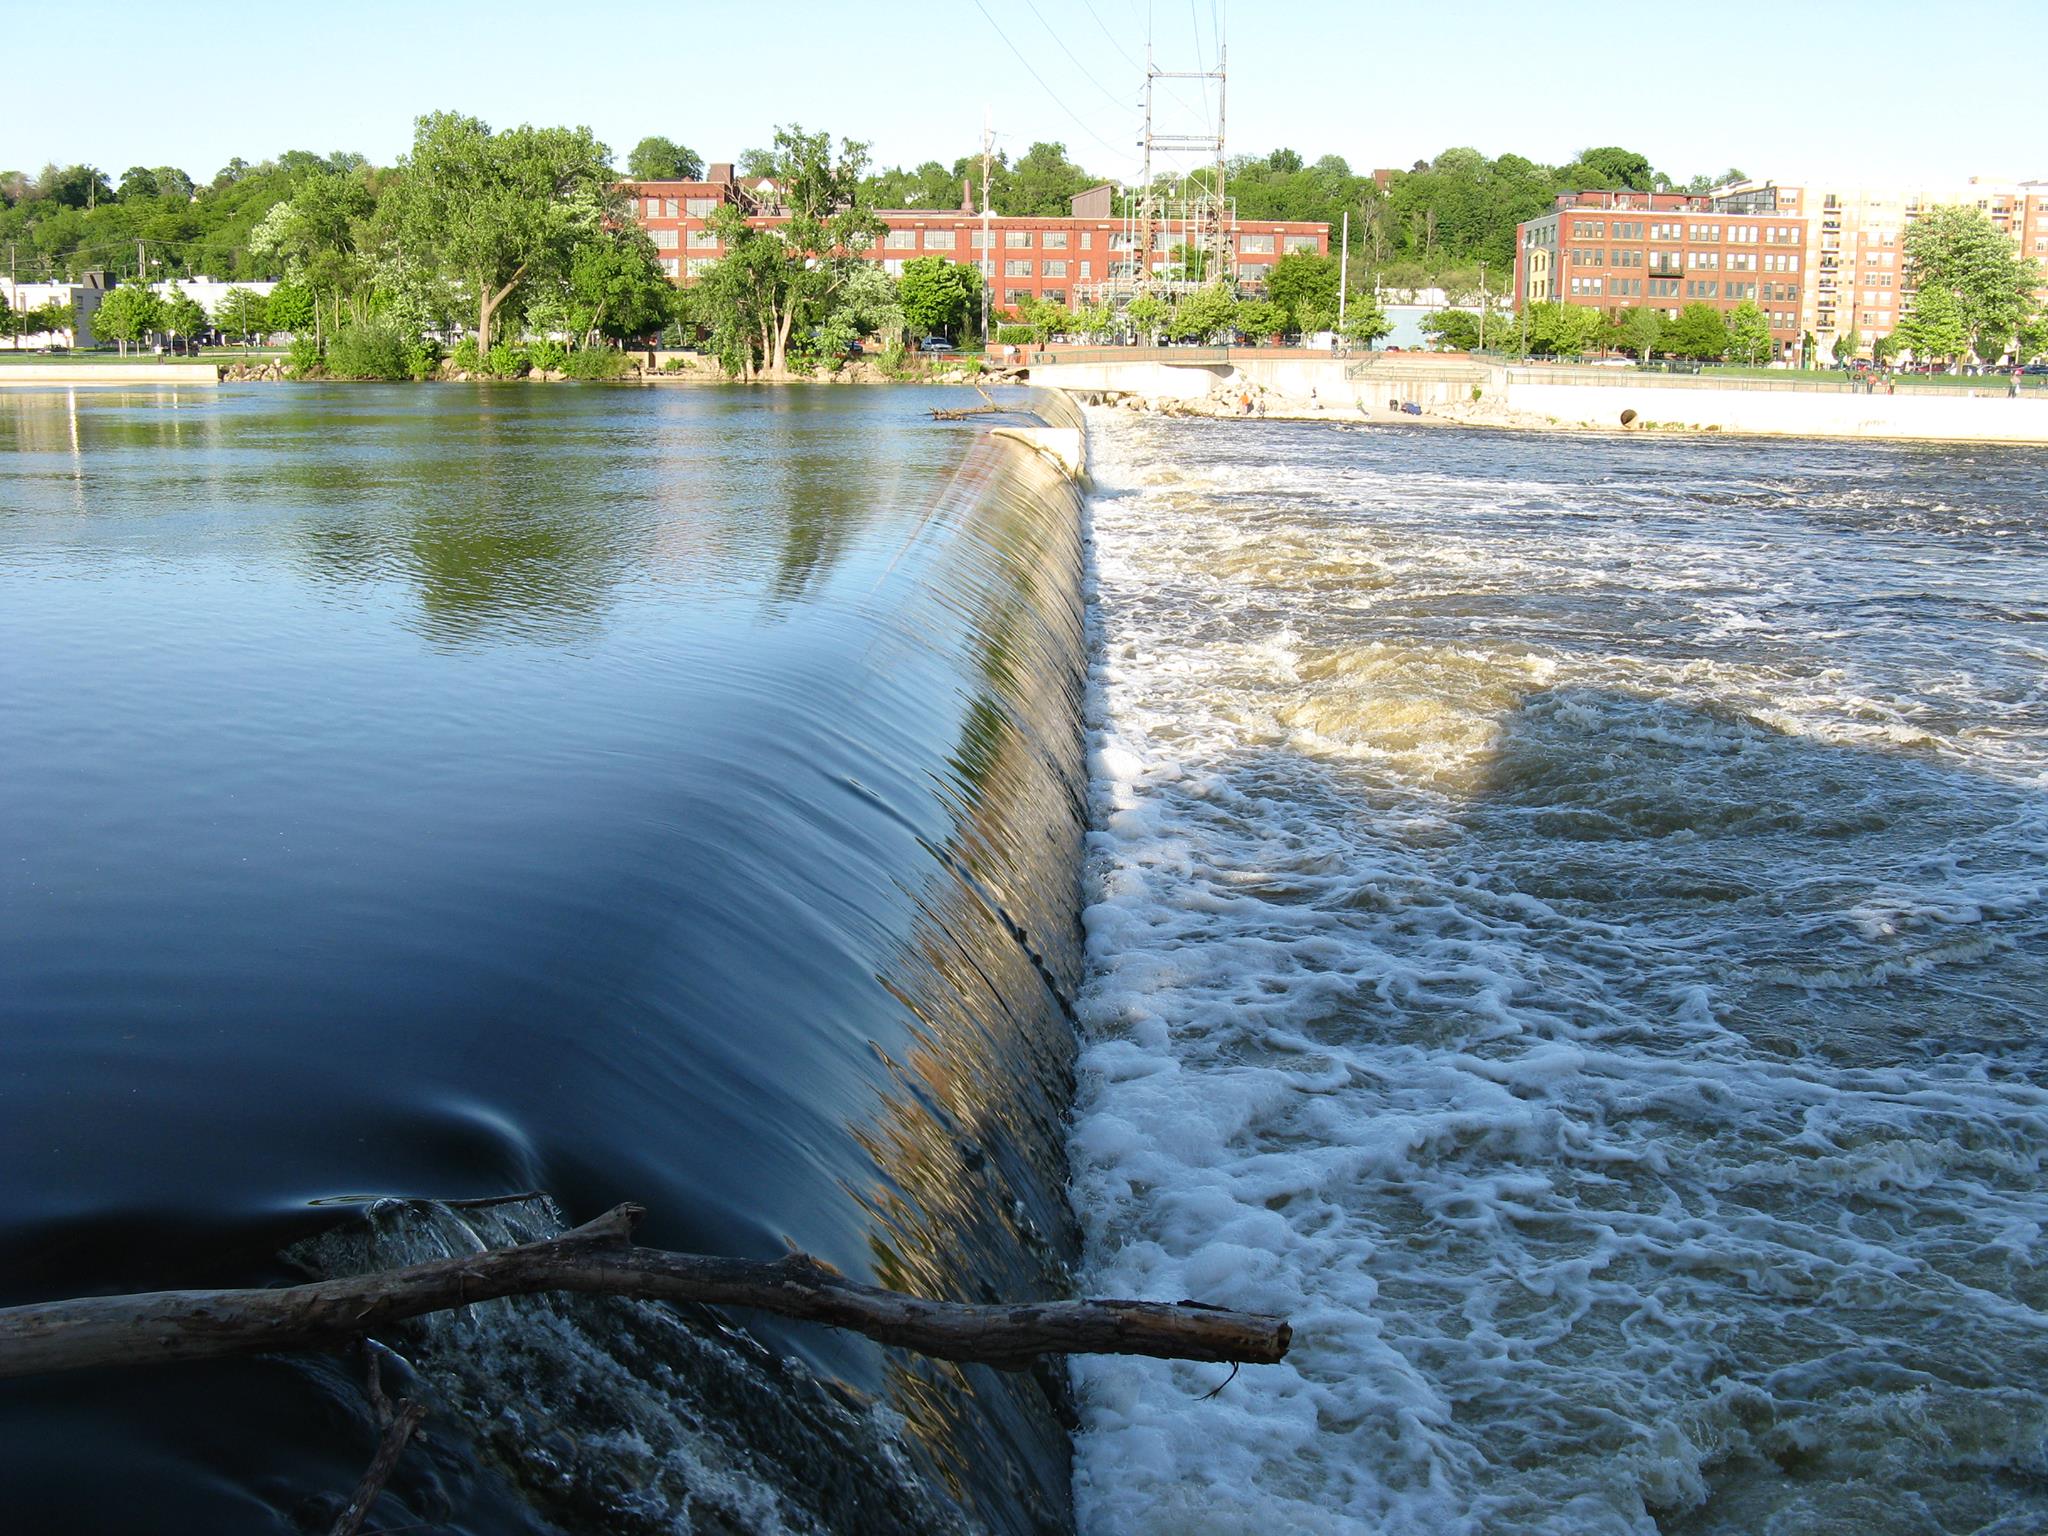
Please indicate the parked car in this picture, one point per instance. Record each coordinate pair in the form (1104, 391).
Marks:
(935, 344)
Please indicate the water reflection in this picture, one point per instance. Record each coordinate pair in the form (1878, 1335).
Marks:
(636, 795)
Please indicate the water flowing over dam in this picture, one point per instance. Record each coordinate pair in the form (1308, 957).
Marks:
(1569, 927)
(668, 797)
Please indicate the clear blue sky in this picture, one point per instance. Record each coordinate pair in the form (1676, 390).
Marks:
(1767, 87)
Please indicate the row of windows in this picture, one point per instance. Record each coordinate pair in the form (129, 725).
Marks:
(1046, 269)
(695, 207)
(1672, 261)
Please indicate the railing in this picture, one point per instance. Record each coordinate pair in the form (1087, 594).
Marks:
(1982, 386)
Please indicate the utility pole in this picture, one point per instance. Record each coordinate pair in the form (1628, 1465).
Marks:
(988, 255)
(1343, 271)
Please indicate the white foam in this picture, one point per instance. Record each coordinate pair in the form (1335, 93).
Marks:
(1528, 960)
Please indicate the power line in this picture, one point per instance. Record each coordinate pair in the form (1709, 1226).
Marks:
(1070, 54)
(1122, 154)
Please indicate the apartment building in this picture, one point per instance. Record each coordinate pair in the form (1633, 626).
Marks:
(1615, 250)
(1855, 256)
(1064, 260)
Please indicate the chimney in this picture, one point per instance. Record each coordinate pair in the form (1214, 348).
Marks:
(720, 171)
(966, 195)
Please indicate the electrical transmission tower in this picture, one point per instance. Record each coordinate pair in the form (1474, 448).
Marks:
(1202, 213)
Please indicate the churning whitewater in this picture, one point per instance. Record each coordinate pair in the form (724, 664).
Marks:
(1568, 926)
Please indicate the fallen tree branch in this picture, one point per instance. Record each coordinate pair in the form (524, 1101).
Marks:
(601, 1259)
(382, 1465)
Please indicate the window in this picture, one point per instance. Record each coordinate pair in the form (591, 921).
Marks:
(1583, 286)
(1741, 261)
(978, 239)
(1701, 289)
(1738, 290)
(1016, 296)
(664, 239)
(1300, 242)
(654, 207)
(1665, 261)
(668, 207)
(1589, 229)
(1664, 231)
(668, 265)
(1054, 240)
(1087, 239)
(703, 239)
(1624, 258)
(1054, 269)
(1086, 273)
(699, 265)
(1256, 245)
(1054, 295)
(700, 207)
(1016, 239)
(893, 265)
(938, 239)
(1250, 271)
(1699, 233)
(1703, 261)
(1742, 234)
(1015, 268)
(1589, 258)
(1628, 229)
(900, 240)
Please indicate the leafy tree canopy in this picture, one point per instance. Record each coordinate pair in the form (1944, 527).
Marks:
(658, 159)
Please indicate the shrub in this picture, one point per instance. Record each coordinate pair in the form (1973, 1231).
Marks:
(371, 351)
(596, 363)
(547, 355)
(422, 358)
(505, 361)
(464, 357)
(1016, 335)
(303, 360)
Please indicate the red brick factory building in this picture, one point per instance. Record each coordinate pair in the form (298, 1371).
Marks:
(1066, 260)
(1612, 251)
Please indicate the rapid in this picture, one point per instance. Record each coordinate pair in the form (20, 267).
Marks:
(1568, 925)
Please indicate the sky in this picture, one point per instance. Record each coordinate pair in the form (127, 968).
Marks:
(1795, 89)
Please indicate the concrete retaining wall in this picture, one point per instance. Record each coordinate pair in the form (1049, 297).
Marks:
(198, 375)
(1944, 418)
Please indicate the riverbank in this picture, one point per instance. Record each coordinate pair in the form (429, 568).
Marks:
(1429, 391)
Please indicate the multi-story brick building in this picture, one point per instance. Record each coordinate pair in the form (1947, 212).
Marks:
(1067, 260)
(1664, 250)
(1855, 253)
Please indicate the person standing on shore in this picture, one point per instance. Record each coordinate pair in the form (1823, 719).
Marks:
(2012, 385)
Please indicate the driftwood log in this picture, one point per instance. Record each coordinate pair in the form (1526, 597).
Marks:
(601, 1258)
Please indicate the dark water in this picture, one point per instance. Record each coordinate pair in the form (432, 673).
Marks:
(666, 796)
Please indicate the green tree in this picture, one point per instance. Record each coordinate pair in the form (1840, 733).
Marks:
(495, 211)
(655, 158)
(1960, 250)
(1260, 319)
(868, 305)
(319, 233)
(1564, 330)
(1639, 330)
(1749, 334)
(2032, 343)
(290, 307)
(936, 294)
(1044, 183)
(1364, 321)
(1305, 285)
(138, 181)
(1936, 327)
(1885, 348)
(1200, 315)
(1847, 345)
(769, 280)
(616, 286)
(240, 312)
(1147, 313)
(1452, 330)
(126, 315)
(178, 314)
(1699, 333)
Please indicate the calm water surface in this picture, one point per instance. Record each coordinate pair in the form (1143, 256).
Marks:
(666, 796)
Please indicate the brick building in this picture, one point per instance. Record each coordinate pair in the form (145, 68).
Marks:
(1066, 260)
(1664, 250)
(1855, 252)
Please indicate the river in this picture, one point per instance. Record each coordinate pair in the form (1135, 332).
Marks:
(667, 796)
(1569, 926)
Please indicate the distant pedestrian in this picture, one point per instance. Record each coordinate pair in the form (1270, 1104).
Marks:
(1891, 385)
(1314, 404)
(2012, 385)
